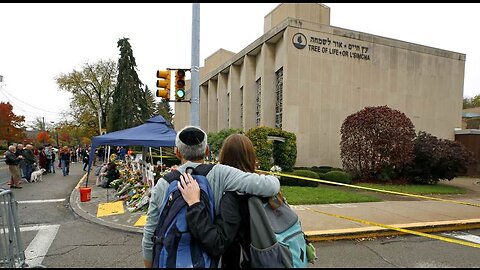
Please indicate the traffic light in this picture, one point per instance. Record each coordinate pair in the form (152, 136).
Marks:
(163, 85)
(179, 84)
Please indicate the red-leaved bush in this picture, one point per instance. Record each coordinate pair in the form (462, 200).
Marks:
(437, 159)
(376, 141)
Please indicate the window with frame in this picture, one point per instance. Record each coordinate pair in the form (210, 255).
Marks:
(279, 101)
(259, 100)
(241, 105)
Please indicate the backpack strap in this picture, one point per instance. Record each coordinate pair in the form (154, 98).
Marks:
(202, 169)
(173, 175)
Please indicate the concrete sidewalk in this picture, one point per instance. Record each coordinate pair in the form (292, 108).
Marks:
(398, 211)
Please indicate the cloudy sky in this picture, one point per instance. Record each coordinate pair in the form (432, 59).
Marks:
(40, 41)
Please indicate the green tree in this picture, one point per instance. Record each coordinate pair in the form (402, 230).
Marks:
(37, 124)
(215, 139)
(151, 102)
(91, 89)
(130, 107)
(471, 102)
(164, 109)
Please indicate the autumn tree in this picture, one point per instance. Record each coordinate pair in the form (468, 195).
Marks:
(43, 137)
(376, 143)
(130, 107)
(92, 89)
(11, 125)
(70, 133)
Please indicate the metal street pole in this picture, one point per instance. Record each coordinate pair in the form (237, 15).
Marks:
(195, 84)
(100, 121)
(44, 132)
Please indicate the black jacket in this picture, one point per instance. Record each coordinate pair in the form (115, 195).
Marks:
(230, 229)
(11, 158)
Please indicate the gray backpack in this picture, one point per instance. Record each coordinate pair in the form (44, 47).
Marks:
(277, 239)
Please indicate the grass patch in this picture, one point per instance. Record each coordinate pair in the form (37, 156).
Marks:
(322, 195)
(417, 189)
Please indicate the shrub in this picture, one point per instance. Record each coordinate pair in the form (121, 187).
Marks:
(376, 138)
(283, 154)
(290, 181)
(319, 169)
(215, 139)
(437, 159)
(337, 176)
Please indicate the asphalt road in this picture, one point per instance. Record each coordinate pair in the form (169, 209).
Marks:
(399, 252)
(54, 236)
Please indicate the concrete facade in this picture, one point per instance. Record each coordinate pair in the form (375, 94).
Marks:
(310, 76)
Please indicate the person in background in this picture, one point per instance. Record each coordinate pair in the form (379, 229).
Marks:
(54, 155)
(85, 158)
(111, 174)
(121, 153)
(29, 161)
(42, 159)
(48, 155)
(12, 160)
(64, 156)
(21, 164)
(101, 154)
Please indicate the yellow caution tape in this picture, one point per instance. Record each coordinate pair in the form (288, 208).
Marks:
(372, 189)
(446, 239)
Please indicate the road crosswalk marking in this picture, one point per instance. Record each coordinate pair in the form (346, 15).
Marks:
(464, 236)
(42, 201)
(38, 248)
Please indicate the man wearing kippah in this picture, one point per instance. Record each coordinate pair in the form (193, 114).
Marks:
(191, 149)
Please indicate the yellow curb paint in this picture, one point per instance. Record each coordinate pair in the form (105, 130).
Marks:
(141, 221)
(441, 238)
(108, 209)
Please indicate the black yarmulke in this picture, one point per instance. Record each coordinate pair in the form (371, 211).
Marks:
(191, 136)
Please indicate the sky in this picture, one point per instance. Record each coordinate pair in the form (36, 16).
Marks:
(39, 41)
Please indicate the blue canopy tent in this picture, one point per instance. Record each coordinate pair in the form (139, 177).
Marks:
(155, 132)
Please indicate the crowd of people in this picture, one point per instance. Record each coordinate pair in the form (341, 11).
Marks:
(23, 160)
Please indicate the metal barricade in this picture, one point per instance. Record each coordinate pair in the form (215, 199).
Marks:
(12, 254)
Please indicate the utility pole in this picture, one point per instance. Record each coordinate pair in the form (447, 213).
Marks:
(43, 127)
(195, 81)
(99, 120)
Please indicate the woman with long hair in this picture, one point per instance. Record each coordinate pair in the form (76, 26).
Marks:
(228, 236)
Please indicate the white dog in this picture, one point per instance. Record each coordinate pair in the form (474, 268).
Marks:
(37, 175)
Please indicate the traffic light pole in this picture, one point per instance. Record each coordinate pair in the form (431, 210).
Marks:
(195, 84)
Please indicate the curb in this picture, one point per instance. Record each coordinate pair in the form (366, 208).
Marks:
(75, 204)
(373, 232)
(313, 236)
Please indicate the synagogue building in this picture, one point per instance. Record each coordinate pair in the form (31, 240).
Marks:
(306, 76)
